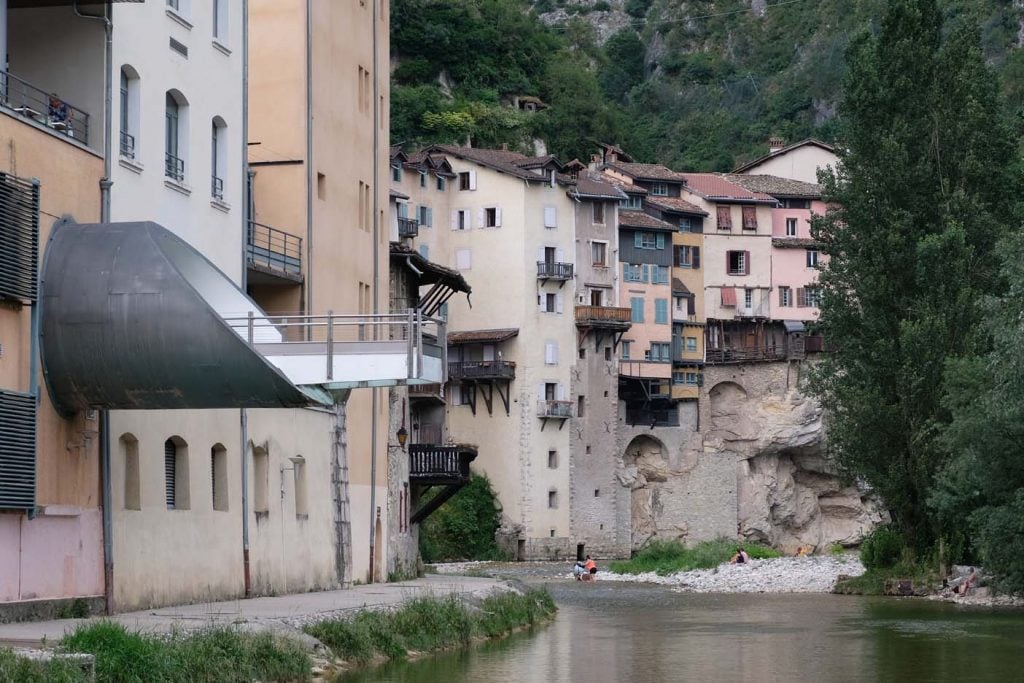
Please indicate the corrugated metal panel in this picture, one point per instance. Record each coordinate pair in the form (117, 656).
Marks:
(17, 451)
(19, 237)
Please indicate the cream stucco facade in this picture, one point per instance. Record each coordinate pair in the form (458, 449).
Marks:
(800, 161)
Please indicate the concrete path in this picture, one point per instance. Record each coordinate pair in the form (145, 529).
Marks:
(271, 613)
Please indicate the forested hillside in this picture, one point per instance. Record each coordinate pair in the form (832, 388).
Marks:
(697, 84)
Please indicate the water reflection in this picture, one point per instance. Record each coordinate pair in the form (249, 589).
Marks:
(617, 632)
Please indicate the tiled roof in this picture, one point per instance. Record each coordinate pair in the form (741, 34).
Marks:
(647, 171)
(675, 204)
(759, 160)
(395, 194)
(594, 186)
(678, 287)
(638, 219)
(716, 187)
(482, 336)
(537, 162)
(777, 187)
(795, 242)
(502, 160)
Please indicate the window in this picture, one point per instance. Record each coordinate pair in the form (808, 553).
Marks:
(220, 20)
(425, 216)
(460, 220)
(648, 240)
(737, 262)
(686, 224)
(261, 480)
(550, 391)
(633, 201)
(176, 135)
(599, 253)
(467, 180)
(176, 491)
(581, 403)
(218, 158)
(808, 297)
(129, 112)
(796, 203)
(365, 204)
(551, 353)
(582, 353)
(598, 213)
(636, 306)
(724, 216)
(423, 178)
(219, 477)
(552, 460)
(442, 184)
(396, 173)
(363, 101)
(633, 272)
(693, 378)
(321, 186)
(550, 303)
(661, 311)
(659, 275)
(691, 343)
(785, 296)
(550, 217)
(790, 227)
(597, 493)
(661, 352)
(687, 257)
(626, 349)
(750, 218)
(812, 258)
(301, 489)
(132, 480)
(659, 189)
(553, 503)
(492, 217)
(678, 377)
(748, 298)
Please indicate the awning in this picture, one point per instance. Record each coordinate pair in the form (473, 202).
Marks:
(482, 336)
(133, 317)
(678, 288)
(728, 296)
(794, 326)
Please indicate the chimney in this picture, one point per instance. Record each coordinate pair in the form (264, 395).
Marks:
(775, 144)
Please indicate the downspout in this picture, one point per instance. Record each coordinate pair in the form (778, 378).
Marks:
(106, 493)
(248, 215)
(309, 158)
(376, 284)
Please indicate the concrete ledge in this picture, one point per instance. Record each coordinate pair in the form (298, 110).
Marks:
(55, 608)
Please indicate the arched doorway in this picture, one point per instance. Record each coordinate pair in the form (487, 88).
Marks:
(646, 464)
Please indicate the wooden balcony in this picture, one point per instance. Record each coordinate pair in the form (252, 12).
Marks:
(481, 369)
(743, 355)
(604, 316)
(426, 392)
(408, 227)
(432, 464)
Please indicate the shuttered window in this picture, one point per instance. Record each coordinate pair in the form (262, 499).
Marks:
(724, 215)
(19, 238)
(170, 473)
(661, 311)
(636, 305)
(17, 451)
(750, 218)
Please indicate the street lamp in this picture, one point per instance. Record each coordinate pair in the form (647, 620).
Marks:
(403, 436)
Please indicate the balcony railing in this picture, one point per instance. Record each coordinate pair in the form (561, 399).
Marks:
(556, 409)
(274, 249)
(550, 270)
(127, 145)
(43, 108)
(603, 315)
(482, 369)
(433, 462)
(743, 355)
(217, 187)
(408, 227)
(425, 391)
(174, 167)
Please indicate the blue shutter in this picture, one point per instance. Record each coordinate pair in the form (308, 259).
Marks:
(636, 305)
(660, 240)
(424, 250)
(638, 239)
(661, 311)
(645, 270)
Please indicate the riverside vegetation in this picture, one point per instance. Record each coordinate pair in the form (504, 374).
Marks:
(670, 557)
(225, 654)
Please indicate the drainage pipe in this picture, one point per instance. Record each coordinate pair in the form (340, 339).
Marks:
(377, 113)
(248, 215)
(310, 178)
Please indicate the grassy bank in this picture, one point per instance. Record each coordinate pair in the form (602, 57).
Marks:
(872, 581)
(428, 624)
(669, 557)
(20, 670)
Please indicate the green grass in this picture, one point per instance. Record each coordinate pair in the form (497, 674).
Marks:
(217, 654)
(872, 581)
(669, 557)
(428, 624)
(15, 669)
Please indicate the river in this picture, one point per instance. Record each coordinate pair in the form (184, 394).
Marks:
(633, 632)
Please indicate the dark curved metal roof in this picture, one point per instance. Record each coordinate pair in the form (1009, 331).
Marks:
(132, 318)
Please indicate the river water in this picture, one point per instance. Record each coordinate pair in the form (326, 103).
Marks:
(632, 632)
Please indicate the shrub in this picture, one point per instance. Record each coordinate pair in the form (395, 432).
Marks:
(670, 557)
(464, 527)
(881, 548)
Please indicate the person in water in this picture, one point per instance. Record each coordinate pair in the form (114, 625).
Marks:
(578, 570)
(740, 557)
(591, 567)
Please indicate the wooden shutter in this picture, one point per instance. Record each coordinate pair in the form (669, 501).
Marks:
(746, 263)
(724, 217)
(559, 302)
(750, 218)
(550, 217)
(560, 392)
(560, 255)
(480, 222)
(801, 301)
(695, 257)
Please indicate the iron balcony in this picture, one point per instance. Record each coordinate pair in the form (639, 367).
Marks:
(481, 369)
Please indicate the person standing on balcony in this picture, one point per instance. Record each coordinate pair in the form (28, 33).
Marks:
(57, 110)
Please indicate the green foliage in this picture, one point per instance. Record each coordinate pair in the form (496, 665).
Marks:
(872, 582)
(220, 654)
(429, 624)
(464, 527)
(925, 188)
(637, 8)
(670, 557)
(625, 65)
(15, 669)
(882, 548)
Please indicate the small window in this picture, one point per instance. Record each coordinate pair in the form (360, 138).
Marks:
(588, 445)
(218, 158)
(176, 475)
(301, 491)
(423, 178)
(607, 355)
(467, 180)
(686, 224)
(724, 217)
(219, 477)
(550, 391)
(626, 349)
(598, 213)
(442, 185)
(220, 20)
(660, 352)
(633, 201)
(597, 493)
(175, 135)
(648, 240)
(550, 302)
(791, 227)
(737, 263)
(321, 186)
(785, 296)
(130, 454)
(551, 353)
(749, 218)
(632, 272)
(552, 460)
(812, 258)
(553, 504)
(491, 217)
(261, 480)
(659, 275)
(580, 406)
(748, 298)
(659, 189)
(583, 354)
(691, 344)
(599, 253)
(396, 173)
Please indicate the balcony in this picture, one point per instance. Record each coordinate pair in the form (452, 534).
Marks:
(408, 227)
(435, 465)
(274, 256)
(743, 355)
(552, 270)
(561, 410)
(481, 370)
(44, 108)
(427, 392)
(604, 316)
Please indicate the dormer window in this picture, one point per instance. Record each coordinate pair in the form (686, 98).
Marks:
(633, 201)
(659, 189)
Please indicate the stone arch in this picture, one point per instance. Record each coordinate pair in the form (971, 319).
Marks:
(645, 463)
(728, 404)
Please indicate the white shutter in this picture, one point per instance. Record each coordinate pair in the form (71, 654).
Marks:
(497, 217)
(558, 303)
(480, 219)
(540, 254)
(540, 303)
(455, 220)
(472, 180)
(540, 392)
(549, 217)
(463, 259)
(560, 392)
(551, 353)
(560, 255)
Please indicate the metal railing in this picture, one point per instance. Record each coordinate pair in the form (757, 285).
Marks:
(217, 187)
(43, 108)
(559, 409)
(274, 249)
(174, 167)
(331, 335)
(551, 270)
(408, 227)
(127, 145)
(482, 369)
(428, 461)
(603, 314)
(743, 354)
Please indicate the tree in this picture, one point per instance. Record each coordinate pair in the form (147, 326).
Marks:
(923, 190)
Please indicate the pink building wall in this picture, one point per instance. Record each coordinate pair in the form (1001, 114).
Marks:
(642, 334)
(61, 555)
(789, 264)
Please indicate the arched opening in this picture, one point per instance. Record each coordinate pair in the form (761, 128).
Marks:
(129, 449)
(176, 474)
(219, 477)
(129, 112)
(646, 464)
(175, 135)
(218, 157)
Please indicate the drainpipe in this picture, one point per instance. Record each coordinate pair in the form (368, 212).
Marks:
(105, 183)
(248, 215)
(309, 158)
(3, 45)
(376, 283)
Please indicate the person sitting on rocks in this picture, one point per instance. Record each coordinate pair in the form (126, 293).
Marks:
(740, 557)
